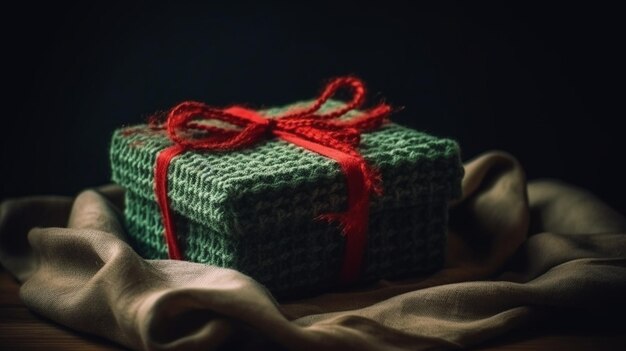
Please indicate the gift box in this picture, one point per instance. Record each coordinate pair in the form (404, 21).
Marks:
(257, 209)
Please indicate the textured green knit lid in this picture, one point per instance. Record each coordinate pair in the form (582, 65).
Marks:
(227, 191)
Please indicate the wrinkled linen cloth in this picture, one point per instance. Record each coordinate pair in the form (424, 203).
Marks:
(517, 254)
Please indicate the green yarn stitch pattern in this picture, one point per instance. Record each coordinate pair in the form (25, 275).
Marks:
(253, 209)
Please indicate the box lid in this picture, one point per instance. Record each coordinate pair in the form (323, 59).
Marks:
(275, 183)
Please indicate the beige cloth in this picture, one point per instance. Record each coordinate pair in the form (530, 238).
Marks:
(77, 270)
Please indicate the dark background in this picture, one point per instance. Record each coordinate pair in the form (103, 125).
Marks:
(534, 80)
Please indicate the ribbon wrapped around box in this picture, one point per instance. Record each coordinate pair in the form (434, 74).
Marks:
(300, 198)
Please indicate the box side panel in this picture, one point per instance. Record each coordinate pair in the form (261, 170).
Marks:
(401, 243)
(199, 243)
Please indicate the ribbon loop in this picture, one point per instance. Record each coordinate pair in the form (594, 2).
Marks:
(322, 133)
(184, 116)
(358, 97)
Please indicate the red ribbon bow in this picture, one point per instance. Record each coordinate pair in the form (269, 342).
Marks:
(324, 133)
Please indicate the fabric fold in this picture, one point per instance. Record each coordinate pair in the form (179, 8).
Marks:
(517, 253)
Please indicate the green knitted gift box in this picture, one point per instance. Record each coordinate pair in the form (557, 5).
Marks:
(254, 209)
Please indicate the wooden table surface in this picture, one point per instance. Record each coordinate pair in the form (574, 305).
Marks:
(21, 329)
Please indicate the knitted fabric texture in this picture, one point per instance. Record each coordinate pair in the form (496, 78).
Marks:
(254, 209)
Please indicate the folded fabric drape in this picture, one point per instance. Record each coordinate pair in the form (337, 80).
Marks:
(516, 253)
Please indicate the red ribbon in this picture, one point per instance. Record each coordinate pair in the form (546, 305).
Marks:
(325, 134)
